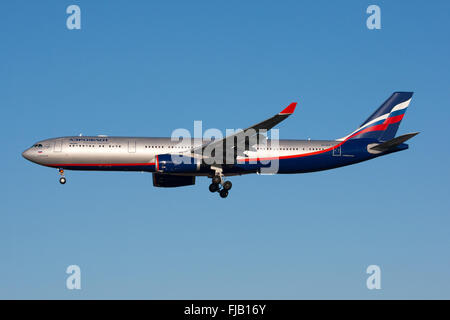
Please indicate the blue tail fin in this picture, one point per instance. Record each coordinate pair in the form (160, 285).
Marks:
(384, 122)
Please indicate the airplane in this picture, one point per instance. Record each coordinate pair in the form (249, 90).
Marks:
(176, 164)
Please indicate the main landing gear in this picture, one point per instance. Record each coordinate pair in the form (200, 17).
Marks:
(62, 180)
(216, 182)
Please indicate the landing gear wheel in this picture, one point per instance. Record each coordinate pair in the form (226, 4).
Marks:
(62, 180)
(213, 187)
(216, 179)
(223, 193)
(227, 185)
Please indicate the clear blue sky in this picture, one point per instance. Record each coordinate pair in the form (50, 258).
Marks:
(144, 68)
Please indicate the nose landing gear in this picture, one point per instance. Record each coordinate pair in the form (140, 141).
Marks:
(62, 180)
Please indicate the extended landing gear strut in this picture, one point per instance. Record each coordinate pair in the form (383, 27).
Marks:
(62, 180)
(217, 181)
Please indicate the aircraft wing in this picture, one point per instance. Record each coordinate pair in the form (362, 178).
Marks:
(233, 141)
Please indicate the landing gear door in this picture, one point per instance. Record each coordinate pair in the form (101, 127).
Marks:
(337, 151)
(58, 145)
(131, 146)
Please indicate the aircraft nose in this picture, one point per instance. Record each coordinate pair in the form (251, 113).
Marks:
(27, 154)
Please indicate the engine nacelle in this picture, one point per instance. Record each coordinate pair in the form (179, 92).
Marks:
(172, 181)
(175, 163)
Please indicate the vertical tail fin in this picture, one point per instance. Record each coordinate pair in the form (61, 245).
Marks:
(384, 122)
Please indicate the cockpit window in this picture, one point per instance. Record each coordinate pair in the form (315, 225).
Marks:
(38, 145)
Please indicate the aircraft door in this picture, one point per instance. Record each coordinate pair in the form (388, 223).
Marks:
(131, 146)
(337, 151)
(58, 145)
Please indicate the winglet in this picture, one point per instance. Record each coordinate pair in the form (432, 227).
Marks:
(289, 109)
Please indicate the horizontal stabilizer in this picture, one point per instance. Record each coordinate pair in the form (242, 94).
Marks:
(385, 146)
